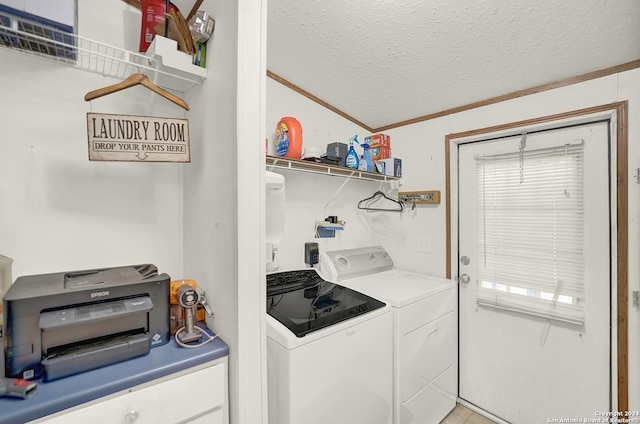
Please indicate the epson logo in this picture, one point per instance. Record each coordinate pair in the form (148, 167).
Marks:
(100, 294)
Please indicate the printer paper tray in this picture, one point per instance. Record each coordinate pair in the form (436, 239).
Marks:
(77, 324)
(95, 356)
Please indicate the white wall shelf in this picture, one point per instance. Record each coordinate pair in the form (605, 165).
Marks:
(163, 63)
(275, 162)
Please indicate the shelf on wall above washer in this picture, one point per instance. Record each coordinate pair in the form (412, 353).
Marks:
(163, 63)
(325, 169)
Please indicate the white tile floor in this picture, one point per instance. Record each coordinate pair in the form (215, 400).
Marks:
(463, 415)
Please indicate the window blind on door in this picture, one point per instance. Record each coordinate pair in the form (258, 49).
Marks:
(530, 232)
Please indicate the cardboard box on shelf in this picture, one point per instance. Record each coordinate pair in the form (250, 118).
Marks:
(380, 152)
(379, 139)
(380, 146)
(392, 167)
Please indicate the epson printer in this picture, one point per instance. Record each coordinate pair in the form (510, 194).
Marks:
(65, 323)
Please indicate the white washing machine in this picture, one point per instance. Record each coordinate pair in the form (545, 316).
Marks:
(425, 329)
(329, 352)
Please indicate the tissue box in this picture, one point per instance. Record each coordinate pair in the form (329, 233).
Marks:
(392, 167)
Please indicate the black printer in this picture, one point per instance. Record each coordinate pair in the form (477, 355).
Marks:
(65, 323)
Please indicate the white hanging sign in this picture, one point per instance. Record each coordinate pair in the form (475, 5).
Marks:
(137, 138)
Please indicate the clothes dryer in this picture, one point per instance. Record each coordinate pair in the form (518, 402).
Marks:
(425, 329)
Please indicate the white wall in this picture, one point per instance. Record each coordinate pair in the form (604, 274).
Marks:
(308, 194)
(421, 147)
(61, 212)
(222, 197)
(310, 197)
(320, 126)
(58, 210)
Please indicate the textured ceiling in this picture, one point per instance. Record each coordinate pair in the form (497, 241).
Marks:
(383, 62)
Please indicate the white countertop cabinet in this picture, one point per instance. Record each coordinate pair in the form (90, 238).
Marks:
(169, 385)
(196, 395)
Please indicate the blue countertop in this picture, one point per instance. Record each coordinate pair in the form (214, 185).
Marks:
(71, 391)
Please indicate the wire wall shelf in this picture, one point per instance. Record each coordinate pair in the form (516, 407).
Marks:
(276, 162)
(163, 63)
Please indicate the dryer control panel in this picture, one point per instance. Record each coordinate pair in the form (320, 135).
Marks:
(340, 265)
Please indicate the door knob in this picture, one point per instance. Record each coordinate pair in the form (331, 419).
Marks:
(464, 260)
(464, 278)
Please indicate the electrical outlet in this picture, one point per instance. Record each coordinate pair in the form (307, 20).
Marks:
(425, 244)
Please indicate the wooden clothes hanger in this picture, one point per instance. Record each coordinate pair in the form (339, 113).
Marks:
(130, 81)
(366, 204)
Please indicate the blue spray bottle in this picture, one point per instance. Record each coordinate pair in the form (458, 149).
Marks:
(366, 158)
(351, 160)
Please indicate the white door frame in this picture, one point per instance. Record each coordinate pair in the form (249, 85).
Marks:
(617, 112)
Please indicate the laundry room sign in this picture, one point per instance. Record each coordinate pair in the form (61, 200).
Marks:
(137, 138)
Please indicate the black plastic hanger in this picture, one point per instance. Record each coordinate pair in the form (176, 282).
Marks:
(366, 204)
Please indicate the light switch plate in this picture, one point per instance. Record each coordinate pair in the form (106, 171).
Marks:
(425, 244)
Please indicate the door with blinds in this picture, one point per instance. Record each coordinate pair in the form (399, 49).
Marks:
(534, 265)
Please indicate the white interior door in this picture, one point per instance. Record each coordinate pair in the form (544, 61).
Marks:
(524, 368)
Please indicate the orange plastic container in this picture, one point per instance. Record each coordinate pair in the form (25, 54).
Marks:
(289, 138)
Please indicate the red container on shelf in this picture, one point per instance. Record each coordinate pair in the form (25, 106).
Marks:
(153, 12)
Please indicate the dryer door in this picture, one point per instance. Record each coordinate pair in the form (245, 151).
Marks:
(426, 352)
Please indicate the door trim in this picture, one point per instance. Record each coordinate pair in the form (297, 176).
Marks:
(620, 110)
